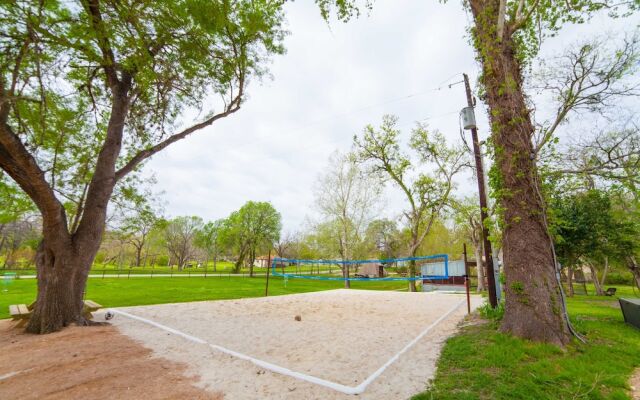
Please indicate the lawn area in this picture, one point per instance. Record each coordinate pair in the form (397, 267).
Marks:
(114, 292)
(481, 363)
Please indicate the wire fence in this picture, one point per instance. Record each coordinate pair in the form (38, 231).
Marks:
(140, 272)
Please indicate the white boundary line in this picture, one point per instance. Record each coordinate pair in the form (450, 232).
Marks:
(298, 375)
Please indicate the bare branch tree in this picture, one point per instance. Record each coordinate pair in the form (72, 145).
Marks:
(587, 77)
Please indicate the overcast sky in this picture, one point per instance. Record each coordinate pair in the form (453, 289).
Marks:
(333, 80)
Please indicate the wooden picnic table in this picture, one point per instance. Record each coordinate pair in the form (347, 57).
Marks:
(22, 312)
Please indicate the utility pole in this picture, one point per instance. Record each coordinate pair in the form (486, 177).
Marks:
(488, 253)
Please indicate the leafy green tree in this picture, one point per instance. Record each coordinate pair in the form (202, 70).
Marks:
(254, 227)
(587, 230)
(427, 194)
(209, 239)
(138, 227)
(180, 236)
(383, 237)
(90, 89)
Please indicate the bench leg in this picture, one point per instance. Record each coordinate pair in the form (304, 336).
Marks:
(21, 323)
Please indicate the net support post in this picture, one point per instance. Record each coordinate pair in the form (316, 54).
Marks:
(466, 277)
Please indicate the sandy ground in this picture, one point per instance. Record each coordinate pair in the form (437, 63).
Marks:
(634, 384)
(88, 363)
(343, 336)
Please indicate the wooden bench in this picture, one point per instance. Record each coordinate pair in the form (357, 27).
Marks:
(19, 312)
(22, 312)
(610, 292)
(89, 307)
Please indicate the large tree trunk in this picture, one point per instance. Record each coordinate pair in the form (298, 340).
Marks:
(345, 275)
(595, 279)
(252, 260)
(635, 270)
(138, 256)
(412, 274)
(534, 307)
(62, 278)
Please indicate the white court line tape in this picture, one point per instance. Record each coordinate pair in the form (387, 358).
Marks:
(298, 375)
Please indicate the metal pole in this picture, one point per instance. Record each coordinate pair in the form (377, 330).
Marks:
(466, 277)
(266, 288)
(488, 253)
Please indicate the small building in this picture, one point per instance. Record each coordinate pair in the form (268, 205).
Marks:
(264, 262)
(371, 270)
(441, 276)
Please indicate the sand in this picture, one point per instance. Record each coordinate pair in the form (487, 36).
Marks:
(343, 336)
(634, 384)
(88, 363)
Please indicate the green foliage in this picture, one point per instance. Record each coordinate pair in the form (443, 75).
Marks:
(15, 204)
(619, 278)
(490, 313)
(209, 237)
(585, 225)
(59, 61)
(343, 9)
(254, 227)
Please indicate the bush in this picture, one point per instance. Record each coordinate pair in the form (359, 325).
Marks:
(161, 261)
(619, 278)
(494, 314)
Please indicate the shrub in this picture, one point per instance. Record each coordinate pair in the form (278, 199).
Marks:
(619, 278)
(494, 314)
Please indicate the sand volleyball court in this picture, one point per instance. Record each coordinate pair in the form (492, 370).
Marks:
(338, 344)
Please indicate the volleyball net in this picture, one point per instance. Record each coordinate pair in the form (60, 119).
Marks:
(433, 267)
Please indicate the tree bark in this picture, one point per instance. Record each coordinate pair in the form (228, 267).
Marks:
(138, 256)
(570, 280)
(479, 265)
(345, 275)
(62, 277)
(635, 269)
(252, 260)
(595, 279)
(412, 274)
(603, 280)
(534, 307)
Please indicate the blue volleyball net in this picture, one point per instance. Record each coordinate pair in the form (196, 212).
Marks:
(433, 268)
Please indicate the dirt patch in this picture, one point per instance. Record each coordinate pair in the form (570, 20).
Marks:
(88, 363)
(474, 319)
(634, 384)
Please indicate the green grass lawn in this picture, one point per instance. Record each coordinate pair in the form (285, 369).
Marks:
(117, 292)
(482, 363)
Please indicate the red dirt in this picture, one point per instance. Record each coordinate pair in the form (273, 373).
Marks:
(88, 363)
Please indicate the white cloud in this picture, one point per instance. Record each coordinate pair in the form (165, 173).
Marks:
(326, 88)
